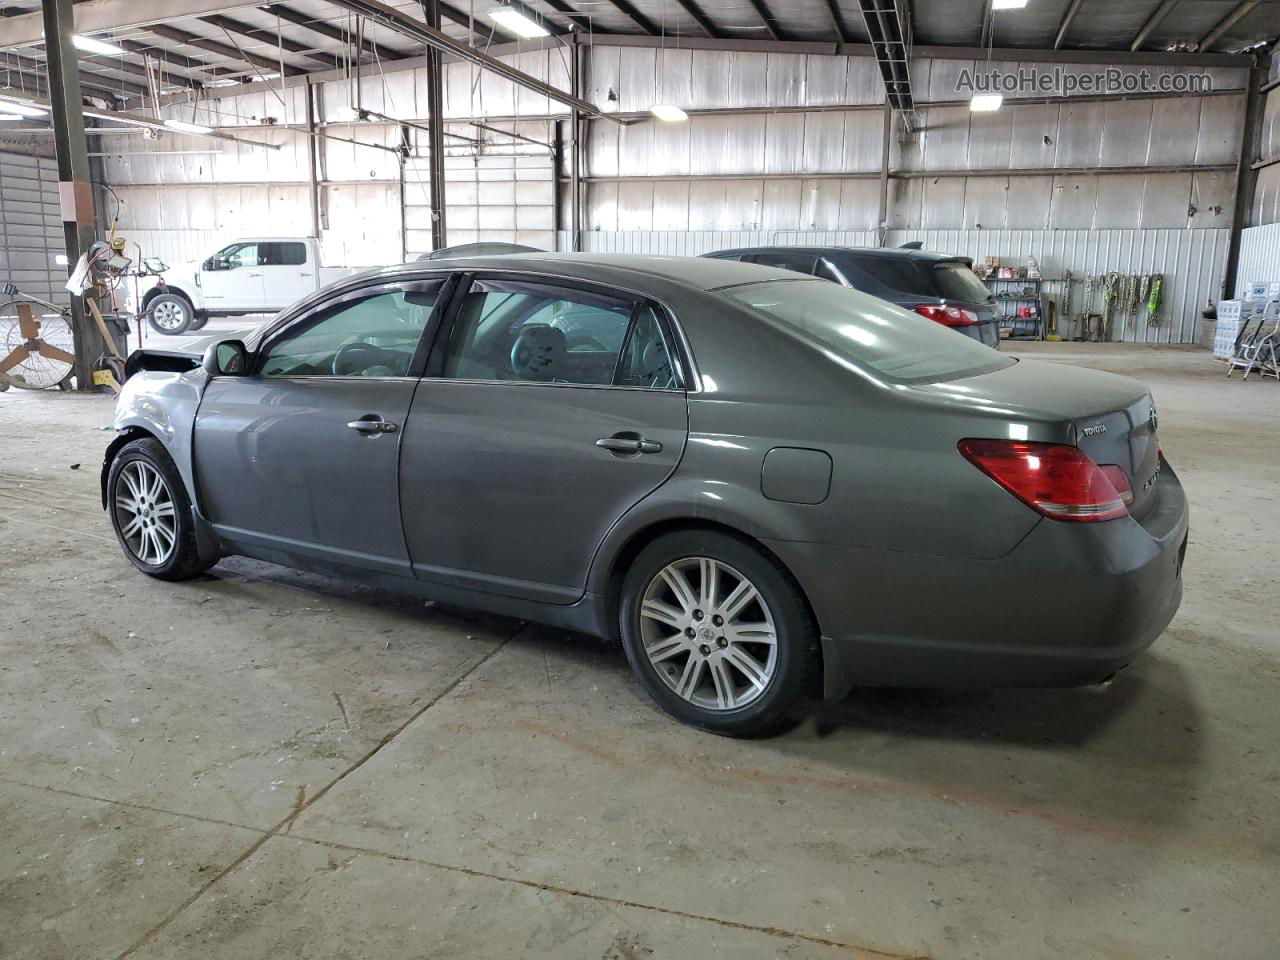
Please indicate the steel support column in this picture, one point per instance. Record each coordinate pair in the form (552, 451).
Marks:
(575, 147)
(79, 225)
(1246, 175)
(435, 135)
(882, 221)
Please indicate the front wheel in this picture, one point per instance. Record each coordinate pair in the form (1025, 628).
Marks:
(718, 633)
(151, 513)
(170, 314)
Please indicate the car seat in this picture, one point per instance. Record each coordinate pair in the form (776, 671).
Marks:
(539, 353)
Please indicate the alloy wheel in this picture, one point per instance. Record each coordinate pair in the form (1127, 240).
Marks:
(168, 315)
(145, 513)
(708, 633)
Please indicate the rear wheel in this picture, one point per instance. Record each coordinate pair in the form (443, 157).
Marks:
(151, 513)
(718, 633)
(170, 314)
(198, 321)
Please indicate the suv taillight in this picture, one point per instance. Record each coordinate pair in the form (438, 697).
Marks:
(947, 316)
(1054, 479)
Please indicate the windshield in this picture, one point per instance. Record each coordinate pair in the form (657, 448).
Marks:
(958, 282)
(868, 332)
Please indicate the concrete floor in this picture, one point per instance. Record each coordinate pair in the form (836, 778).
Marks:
(262, 763)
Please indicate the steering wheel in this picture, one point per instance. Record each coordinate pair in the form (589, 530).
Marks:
(358, 356)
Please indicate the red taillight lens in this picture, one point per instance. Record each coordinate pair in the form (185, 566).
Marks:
(1054, 479)
(947, 316)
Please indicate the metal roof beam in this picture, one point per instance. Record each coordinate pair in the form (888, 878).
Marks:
(1153, 21)
(223, 49)
(766, 16)
(837, 22)
(889, 40)
(415, 29)
(271, 38)
(35, 69)
(103, 15)
(701, 19)
(573, 16)
(120, 66)
(1226, 24)
(1065, 25)
(464, 20)
(333, 33)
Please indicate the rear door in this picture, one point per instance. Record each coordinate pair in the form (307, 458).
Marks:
(288, 272)
(548, 411)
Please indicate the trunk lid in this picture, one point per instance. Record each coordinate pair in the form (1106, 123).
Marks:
(1112, 417)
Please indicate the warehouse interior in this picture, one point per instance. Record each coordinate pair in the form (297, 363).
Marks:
(263, 761)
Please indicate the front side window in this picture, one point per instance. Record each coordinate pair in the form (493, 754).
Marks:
(372, 336)
(533, 332)
(239, 255)
(868, 332)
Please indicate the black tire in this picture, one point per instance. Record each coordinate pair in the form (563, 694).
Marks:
(170, 305)
(198, 321)
(183, 560)
(798, 653)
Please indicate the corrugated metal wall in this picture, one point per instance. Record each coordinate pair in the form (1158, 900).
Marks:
(1266, 197)
(805, 166)
(1259, 255)
(31, 226)
(1192, 261)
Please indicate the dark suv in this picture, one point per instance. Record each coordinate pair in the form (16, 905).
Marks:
(942, 287)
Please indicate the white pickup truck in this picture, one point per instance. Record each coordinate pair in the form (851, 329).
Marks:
(251, 275)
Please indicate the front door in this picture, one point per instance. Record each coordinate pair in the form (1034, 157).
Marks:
(287, 275)
(231, 280)
(547, 414)
(300, 459)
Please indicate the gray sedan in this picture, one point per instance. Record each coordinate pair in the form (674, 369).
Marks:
(765, 485)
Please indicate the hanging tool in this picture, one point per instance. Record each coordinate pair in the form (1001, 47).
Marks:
(1153, 299)
(1110, 284)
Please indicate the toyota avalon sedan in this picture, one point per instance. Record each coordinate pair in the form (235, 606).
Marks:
(765, 485)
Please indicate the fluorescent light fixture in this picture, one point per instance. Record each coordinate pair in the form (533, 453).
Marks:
(10, 116)
(986, 102)
(668, 113)
(1008, 4)
(186, 127)
(265, 76)
(19, 108)
(513, 21)
(61, 259)
(90, 45)
(222, 82)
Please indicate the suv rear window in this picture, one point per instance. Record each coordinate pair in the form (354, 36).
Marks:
(868, 332)
(956, 281)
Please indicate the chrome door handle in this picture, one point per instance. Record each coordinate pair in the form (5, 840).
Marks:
(372, 425)
(625, 444)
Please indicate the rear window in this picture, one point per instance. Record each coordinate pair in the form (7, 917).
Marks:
(958, 282)
(899, 274)
(868, 332)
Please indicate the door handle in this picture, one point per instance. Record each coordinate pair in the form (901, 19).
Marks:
(629, 443)
(372, 423)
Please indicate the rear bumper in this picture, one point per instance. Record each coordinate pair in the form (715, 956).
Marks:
(1070, 605)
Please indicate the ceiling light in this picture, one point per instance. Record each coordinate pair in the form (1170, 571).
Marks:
(668, 113)
(90, 45)
(186, 127)
(986, 102)
(513, 21)
(1008, 4)
(265, 76)
(222, 82)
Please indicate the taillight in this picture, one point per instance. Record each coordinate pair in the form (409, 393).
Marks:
(947, 316)
(1054, 479)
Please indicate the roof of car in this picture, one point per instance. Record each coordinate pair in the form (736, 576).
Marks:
(697, 272)
(828, 249)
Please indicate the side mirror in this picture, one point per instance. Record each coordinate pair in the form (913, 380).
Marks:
(226, 359)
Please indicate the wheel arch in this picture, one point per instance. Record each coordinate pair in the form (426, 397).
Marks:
(127, 435)
(149, 297)
(624, 553)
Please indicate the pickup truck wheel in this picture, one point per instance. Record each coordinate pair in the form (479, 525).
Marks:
(199, 321)
(170, 314)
